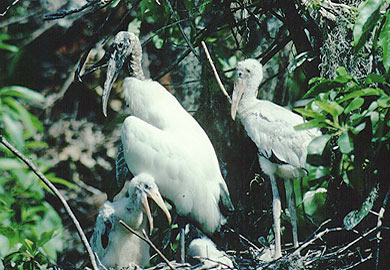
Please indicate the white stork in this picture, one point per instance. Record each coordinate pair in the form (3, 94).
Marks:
(282, 149)
(114, 245)
(162, 139)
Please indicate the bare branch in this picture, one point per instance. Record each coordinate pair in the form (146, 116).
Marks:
(50, 185)
(216, 73)
(7, 8)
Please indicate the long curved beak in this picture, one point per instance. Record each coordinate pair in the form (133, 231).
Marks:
(239, 87)
(115, 65)
(156, 197)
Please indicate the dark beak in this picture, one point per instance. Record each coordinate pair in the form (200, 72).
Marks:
(115, 64)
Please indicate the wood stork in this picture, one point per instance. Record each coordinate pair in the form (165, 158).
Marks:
(114, 245)
(282, 149)
(160, 138)
(205, 251)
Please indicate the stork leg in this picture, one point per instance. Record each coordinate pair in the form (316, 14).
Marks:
(182, 244)
(290, 194)
(276, 209)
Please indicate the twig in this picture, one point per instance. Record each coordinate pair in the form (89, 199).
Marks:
(7, 8)
(316, 237)
(147, 240)
(216, 73)
(50, 185)
(379, 224)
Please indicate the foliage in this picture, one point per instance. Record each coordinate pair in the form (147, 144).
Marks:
(30, 228)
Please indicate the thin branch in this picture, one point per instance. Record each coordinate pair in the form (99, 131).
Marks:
(316, 237)
(379, 224)
(182, 30)
(7, 8)
(216, 73)
(147, 240)
(50, 185)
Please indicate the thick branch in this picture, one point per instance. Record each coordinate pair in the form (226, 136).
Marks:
(50, 185)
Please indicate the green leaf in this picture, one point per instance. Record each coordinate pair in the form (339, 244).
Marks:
(342, 75)
(24, 115)
(354, 217)
(308, 112)
(345, 143)
(354, 105)
(58, 180)
(330, 107)
(317, 146)
(323, 86)
(14, 130)
(314, 200)
(22, 92)
(368, 16)
(10, 164)
(314, 123)
(384, 41)
(374, 78)
(362, 92)
(384, 102)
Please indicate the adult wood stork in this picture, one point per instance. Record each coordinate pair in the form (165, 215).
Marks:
(114, 245)
(282, 149)
(160, 138)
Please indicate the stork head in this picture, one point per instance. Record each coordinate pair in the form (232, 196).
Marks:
(143, 187)
(126, 48)
(249, 74)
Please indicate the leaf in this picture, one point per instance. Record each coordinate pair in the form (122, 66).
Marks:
(14, 130)
(362, 92)
(374, 78)
(384, 41)
(317, 146)
(330, 107)
(24, 115)
(314, 123)
(345, 143)
(354, 105)
(313, 200)
(22, 92)
(368, 16)
(10, 164)
(308, 112)
(342, 75)
(58, 180)
(354, 217)
(323, 86)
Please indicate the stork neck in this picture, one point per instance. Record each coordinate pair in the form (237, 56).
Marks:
(248, 100)
(136, 68)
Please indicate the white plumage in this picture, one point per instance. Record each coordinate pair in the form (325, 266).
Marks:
(160, 138)
(205, 250)
(282, 149)
(114, 245)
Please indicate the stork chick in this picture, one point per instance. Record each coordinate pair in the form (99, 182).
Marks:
(114, 245)
(282, 149)
(162, 139)
(205, 250)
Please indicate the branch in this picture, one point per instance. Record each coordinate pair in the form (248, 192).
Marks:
(216, 73)
(7, 8)
(379, 224)
(147, 240)
(50, 185)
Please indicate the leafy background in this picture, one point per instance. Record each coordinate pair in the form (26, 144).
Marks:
(329, 61)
